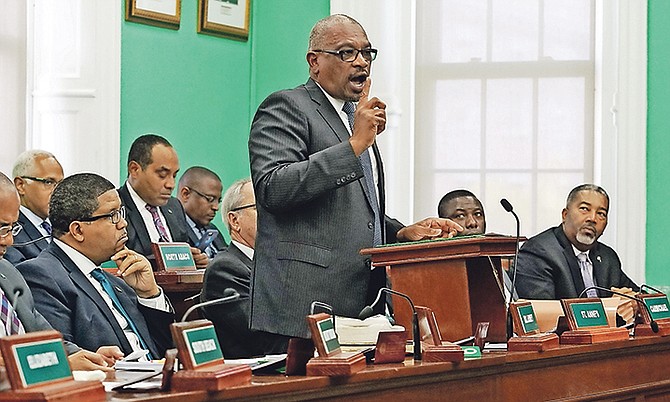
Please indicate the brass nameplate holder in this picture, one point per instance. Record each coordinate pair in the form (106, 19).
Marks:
(588, 323)
(529, 338)
(434, 349)
(660, 310)
(200, 354)
(38, 370)
(331, 361)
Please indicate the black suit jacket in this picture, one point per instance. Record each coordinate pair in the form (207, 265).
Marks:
(219, 242)
(231, 268)
(17, 254)
(138, 236)
(11, 281)
(68, 300)
(547, 268)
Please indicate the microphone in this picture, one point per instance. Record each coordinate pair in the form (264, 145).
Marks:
(228, 295)
(15, 296)
(508, 207)
(326, 307)
(653, 324)
(27, 243)
(645, 286)
(368, 312)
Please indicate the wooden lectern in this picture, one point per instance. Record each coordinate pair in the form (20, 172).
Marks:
(461, 279)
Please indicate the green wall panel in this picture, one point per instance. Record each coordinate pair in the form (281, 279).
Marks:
(200, 91)
(658, 144)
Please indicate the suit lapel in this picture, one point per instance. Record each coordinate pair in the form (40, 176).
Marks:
(32, 232)
(599, 272)
(81, 281)
(571, 259)
(134, 218)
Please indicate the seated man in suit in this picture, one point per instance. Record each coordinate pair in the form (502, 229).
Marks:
(36, 173)
(462, 207)
(153, 215)
(231, 268)
(562, 261)
(15, 289)
(199, 191)
(87, 305)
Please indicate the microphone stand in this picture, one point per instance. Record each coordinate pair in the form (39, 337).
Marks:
(229, 295)
(508, 207)
(367, 312)
(653, 324)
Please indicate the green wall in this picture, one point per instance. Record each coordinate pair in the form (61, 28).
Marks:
(201, 91)
(658, 144)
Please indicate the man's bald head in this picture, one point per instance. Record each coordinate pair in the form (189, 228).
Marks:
(9, 211)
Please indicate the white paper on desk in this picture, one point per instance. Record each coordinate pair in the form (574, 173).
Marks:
(258, 362)
(352, 331)
(154, 365)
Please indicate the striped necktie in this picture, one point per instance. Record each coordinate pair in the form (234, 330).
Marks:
(587, 274)
(10, 320)
(162, 232)
(366, 164)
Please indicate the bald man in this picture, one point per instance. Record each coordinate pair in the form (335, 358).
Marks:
(199, 191)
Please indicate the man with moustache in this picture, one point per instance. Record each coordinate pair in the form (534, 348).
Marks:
(89, 306)
(15, 289)
(561, 262)
(153, 214)
(319, 185)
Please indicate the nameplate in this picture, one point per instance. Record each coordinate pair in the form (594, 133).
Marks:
(35, 358)
(323, 334)
(197, 344)
(173, 256)
(585, 313)
(658, 306)
(524, 319)
(471, 352)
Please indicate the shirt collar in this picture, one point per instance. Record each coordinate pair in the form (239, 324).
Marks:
(140, 204)
(82, 262)
(248, 251)
(32, 217)
(578, 252)
(337, 104)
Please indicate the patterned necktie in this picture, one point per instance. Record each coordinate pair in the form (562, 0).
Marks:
(366, 163)
(210, 251)
(162, 232)
(46, 226)
(99, 276)
(587, 275)
(10, 320)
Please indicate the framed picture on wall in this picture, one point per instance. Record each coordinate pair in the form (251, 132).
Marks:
(162, 13)
(229, 18)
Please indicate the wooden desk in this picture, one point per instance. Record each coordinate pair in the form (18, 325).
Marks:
(624, 370)
(180, 285)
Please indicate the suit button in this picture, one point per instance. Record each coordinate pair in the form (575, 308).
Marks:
(371, 226)
(338, 182)
(353, 175)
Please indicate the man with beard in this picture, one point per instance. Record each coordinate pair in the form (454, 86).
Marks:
(561, 262)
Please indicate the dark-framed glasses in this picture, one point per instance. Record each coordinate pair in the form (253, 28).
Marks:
(349, 55)
(114, 216)
(243, 207)
(50, 183)
(14, 229)
(209, 198)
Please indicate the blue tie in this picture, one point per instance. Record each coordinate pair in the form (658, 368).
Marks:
(366, 164)
(98, 275)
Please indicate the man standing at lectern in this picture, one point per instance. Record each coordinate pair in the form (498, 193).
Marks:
(319, 185)
(562, 261)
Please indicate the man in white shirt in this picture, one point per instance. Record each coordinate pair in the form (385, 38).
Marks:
(36, 173)
(91, 307)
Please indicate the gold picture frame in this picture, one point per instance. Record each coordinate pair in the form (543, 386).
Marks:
(162, 13)
(227, 18)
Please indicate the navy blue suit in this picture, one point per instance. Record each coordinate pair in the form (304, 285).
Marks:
(17, 254)
(68, 300)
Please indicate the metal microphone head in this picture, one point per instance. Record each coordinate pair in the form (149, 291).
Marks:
(366, 313)
(505, 204)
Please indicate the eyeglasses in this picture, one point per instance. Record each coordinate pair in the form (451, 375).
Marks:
(349, 55)
(50, 183)
(13, 228)
(114, 216)
(209, 198)
(243, 207)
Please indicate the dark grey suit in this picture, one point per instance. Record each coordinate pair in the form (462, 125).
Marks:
(68, 300)
(138, 236)
(11, 281)
(17, 254)
(314, 215)
(548, 268)
(231, 268)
